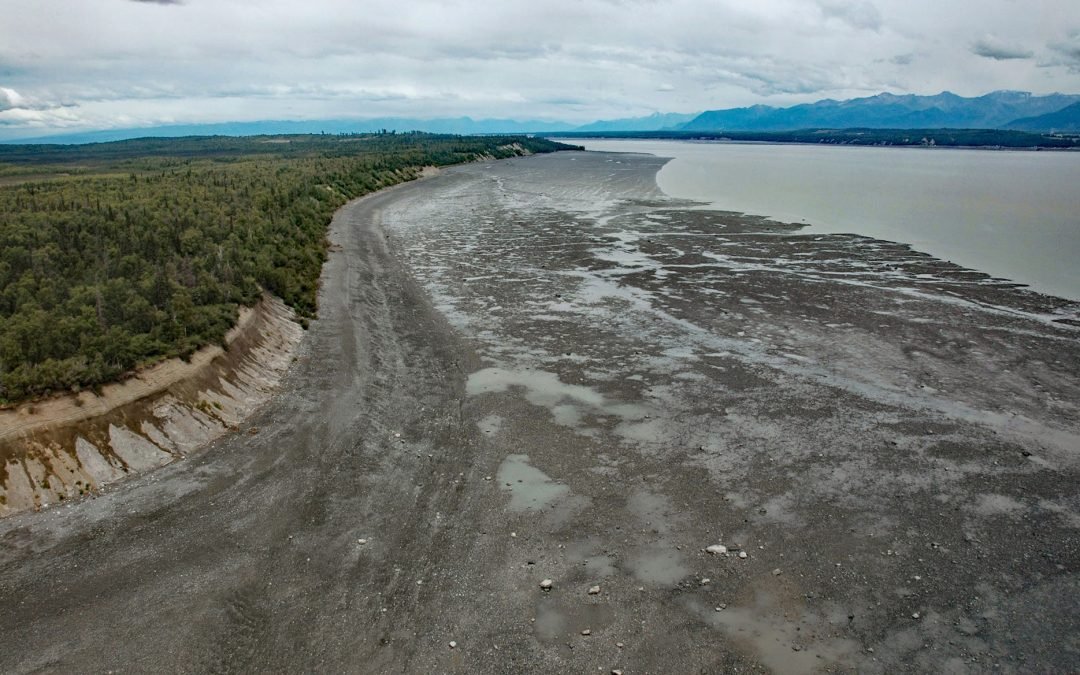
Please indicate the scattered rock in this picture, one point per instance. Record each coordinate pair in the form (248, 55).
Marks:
(595, 590)
(706, 582)
(776, 572)
(586, 632)
(361, 541)
(546, 584)
(453, 645)
(742, 554)
(716, 549)
(619, 645)
(915, 615)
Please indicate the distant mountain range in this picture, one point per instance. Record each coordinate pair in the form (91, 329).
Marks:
(1066, 120)
(1015, 110)
(654, 122)
(996, 110)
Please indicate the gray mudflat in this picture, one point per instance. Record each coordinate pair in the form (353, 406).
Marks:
(545, 369)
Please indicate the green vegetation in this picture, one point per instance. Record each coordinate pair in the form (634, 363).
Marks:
(968, 138)
(116, 255)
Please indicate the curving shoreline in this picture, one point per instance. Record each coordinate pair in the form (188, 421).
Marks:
(753, 440)
(74, 444)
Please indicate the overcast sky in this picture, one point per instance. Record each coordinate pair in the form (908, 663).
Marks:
(77, 64)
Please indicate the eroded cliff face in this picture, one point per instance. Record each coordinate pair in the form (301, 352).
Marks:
(75, 444)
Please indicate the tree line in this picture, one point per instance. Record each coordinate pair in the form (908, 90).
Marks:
(117, 255)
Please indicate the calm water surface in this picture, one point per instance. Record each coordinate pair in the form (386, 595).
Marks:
(1010, 214)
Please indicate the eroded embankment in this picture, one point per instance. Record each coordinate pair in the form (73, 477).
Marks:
(74, 444)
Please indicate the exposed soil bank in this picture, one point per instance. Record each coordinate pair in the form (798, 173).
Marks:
(75, 444)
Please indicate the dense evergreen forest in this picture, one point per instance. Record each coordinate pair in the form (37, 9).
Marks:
(116, 255)
(966, 138)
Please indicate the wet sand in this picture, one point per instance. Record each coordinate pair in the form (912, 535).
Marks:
(545, 369)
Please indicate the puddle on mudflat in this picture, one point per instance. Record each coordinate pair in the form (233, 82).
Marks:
(557, 620)
(659, 565)
(545, 389)
(529, 487)
(550, 624)
(491, 424)
(652, 510)
(597, 565)
(646, 431)
(566, 415)
(541, 387)
(785, 646)
(659, 562)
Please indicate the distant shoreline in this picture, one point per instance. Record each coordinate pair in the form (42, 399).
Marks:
(971, 139)
(725, 141)
(839, 192)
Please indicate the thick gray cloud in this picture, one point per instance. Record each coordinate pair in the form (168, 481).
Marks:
(1067, 52)
(9, 99)
(991, 47)
(112, 63)
(855, 13)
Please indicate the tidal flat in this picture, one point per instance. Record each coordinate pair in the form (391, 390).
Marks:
(895, 435)
(550, 419)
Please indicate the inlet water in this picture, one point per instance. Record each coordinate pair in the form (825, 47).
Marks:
(1011, 214)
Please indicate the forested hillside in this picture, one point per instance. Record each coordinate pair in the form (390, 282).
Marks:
(118, 254)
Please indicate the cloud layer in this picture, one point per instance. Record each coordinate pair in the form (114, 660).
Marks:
(993, 48)
(114, 63)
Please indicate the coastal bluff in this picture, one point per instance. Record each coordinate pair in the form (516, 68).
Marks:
(75, 444)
